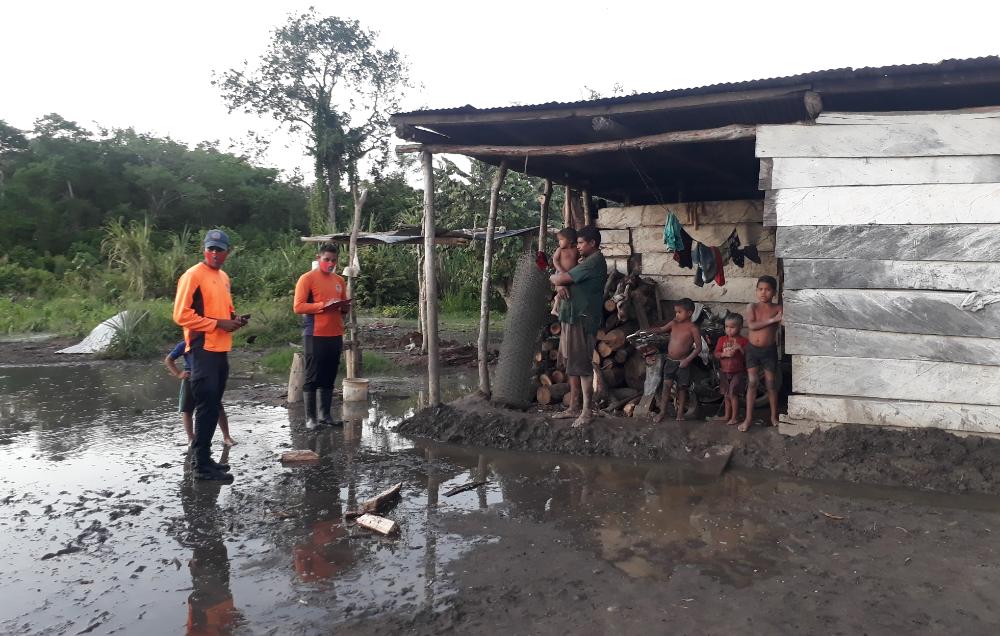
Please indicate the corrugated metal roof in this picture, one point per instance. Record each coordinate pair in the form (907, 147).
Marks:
(968, 64)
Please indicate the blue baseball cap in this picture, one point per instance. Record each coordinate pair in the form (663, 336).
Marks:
(217, 238)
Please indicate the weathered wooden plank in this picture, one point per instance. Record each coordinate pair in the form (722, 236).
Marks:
(616, 249)
(742, 211)
(818, 340)
(618, 263)
(801, 273)
(663, 264)
(938, 137)
(929, 204)
(908, 117)
(971, 418)
(921, 312)
(737, 290)
(896, 379)
(615, 236)
(650, 239)
(717, 307)
(967, 243)
(814, 172)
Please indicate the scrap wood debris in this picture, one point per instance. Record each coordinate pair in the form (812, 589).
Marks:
(469, 486)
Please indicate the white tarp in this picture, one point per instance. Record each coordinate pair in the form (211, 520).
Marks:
(99, 339)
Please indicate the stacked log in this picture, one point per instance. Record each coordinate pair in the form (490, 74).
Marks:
(619, 370)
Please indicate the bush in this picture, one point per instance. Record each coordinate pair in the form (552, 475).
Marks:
(146, 332)
(26, 281)
(405, 310)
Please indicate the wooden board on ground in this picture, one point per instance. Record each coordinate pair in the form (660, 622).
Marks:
(819, 172)
(663, 264)
(922, 312)
(378, 524)
(377, 503)
(928, 204)
(966, 243)
(737, 290)
(896, 379)
(803, 273)
(817, 340)
(649, 239)
(911, 414)
(299, 457)
(944, 136)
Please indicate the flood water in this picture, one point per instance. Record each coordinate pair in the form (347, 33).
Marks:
(102, 531)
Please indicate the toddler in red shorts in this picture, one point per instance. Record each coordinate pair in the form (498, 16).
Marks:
(730, 351)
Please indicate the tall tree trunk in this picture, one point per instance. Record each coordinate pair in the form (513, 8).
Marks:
(332, 181)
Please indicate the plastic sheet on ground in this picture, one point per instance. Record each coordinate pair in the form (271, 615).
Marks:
(99, 339)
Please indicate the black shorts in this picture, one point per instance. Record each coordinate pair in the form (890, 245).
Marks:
(672, 371)
(766, 357)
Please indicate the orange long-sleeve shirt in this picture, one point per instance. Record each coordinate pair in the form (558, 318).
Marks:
(202, 300)
(311, 291)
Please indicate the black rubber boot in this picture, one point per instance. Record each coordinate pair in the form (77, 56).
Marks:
(210, 474)
(217, 466)
(309, 401)
(325, 401)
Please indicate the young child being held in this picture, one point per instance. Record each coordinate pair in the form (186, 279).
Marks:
(683, 348)
(762, 319)
(564, 258)
(731, 353)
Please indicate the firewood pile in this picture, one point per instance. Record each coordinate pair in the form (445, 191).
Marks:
(630, 304)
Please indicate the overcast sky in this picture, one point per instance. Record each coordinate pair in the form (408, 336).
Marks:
(149, 64)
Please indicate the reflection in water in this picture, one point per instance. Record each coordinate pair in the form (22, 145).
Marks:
(277, 540)
(211, 610)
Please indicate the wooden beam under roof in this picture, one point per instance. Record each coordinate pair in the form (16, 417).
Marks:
(725, 133)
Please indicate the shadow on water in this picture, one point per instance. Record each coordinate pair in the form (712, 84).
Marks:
(102, 528)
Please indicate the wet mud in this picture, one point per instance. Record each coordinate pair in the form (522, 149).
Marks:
(102, 530)
(923, 459)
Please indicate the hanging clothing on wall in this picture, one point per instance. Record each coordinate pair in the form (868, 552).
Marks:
(704, 263)
(720, 275)
(672, 232)
(683, 257)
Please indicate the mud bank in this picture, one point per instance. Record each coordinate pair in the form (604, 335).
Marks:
(923, 459)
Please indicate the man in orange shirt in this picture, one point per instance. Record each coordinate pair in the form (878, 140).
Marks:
(321, 299)
(203, 307)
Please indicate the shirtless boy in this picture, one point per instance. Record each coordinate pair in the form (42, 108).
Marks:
(683, 348)
(565, 258)
(762, 320)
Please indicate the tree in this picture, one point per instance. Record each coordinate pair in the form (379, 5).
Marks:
(325, 76)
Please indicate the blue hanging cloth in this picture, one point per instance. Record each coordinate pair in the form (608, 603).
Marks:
(673, 233)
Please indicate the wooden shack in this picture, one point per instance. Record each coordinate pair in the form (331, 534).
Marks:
(872, 195)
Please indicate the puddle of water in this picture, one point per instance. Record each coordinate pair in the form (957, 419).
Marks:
(100, 526)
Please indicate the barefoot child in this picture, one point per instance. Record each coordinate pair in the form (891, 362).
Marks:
(731, 353)
(762, 319)
(186, 401)
(683, 348)
(565, 258)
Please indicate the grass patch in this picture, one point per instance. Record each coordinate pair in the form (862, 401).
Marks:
(278, 361)
(373, 362)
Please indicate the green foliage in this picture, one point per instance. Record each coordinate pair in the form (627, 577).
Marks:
(374, 363)
(404, 310)
(272, 322)
(146, 331)
(278, 361)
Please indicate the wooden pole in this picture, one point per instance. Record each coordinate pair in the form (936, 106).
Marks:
(723, 133)
(588, 213)
(354, 353)
(421, 300)
(430, 284)
(484, 296)
(543, 215)
(568, 207)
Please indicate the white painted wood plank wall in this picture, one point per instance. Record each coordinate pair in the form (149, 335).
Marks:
(886, 221)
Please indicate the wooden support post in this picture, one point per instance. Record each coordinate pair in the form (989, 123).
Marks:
(484, 296)
(568, 207)
(430, 284)
(543, 215)
(588, 213)
(421, 300)
(354, 353)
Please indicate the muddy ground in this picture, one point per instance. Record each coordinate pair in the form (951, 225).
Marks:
(923, 459)
(102, 530)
